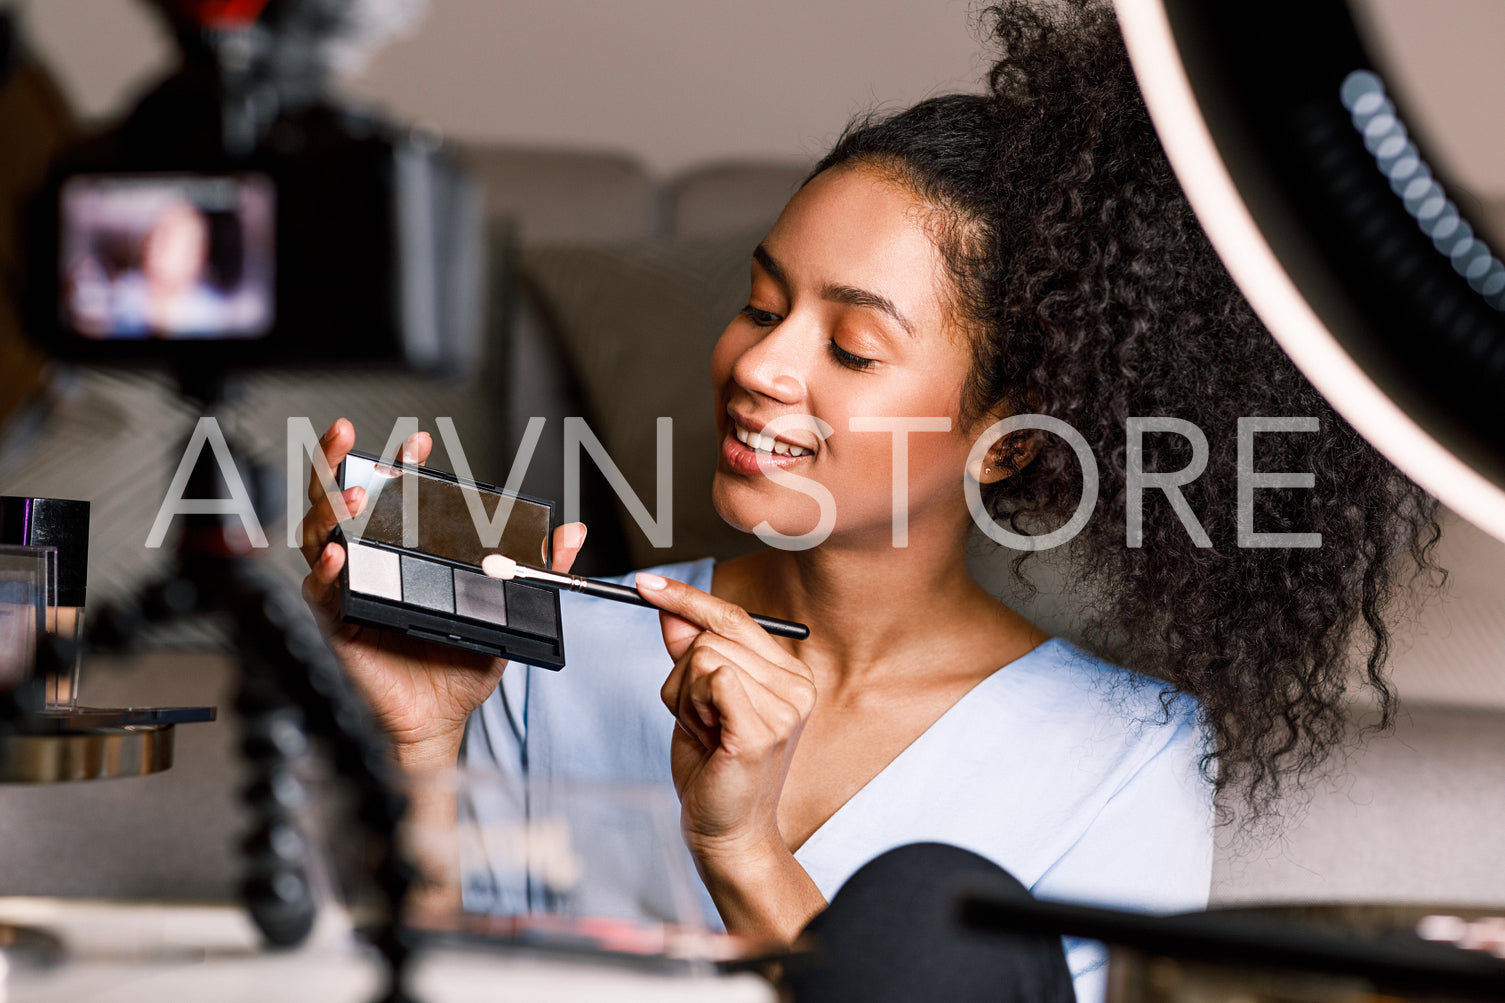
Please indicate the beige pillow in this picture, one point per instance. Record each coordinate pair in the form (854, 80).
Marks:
(637, 322)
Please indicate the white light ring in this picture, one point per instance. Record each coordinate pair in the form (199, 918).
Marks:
(1269, 289)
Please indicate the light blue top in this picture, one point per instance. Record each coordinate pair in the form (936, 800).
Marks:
(1061, 768)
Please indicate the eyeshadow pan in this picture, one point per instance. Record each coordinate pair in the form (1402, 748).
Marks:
(530, 608)
(374, 572)
(427, 584)
(480, 598)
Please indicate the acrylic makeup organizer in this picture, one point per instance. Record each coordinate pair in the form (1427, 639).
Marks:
(49, 737)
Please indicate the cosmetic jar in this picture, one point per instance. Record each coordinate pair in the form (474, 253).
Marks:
(63, 525)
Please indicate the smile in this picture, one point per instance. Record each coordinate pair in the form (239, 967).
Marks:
(754, 454)
(760, 443)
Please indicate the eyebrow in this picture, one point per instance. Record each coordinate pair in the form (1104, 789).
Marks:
(850, 295)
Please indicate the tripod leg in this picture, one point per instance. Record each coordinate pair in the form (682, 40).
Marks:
(283, 649)
(276, 888)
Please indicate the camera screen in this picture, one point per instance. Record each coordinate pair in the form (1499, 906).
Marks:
(167, 256)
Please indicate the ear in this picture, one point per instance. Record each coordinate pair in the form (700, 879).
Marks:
(1006, 457)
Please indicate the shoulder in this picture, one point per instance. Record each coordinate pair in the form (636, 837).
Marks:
(1133, 769)
(1096, 699)
(1097, 732)
(1060, 767)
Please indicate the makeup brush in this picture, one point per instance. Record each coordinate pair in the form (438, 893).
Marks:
(505, 568)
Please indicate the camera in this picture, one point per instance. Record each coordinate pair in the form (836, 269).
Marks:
(239, 216)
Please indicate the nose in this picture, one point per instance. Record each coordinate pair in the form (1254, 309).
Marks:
(775, 365)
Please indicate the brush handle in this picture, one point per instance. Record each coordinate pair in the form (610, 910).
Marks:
(621, 593)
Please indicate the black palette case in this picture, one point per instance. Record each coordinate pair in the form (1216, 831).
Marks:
(421, 576)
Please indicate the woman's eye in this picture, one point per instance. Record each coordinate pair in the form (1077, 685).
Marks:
(847, 359)
(762, 318)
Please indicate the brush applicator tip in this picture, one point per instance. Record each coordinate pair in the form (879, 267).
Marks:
(499, 566)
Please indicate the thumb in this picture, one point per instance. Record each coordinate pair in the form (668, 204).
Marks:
(679, 633)
(568, 539)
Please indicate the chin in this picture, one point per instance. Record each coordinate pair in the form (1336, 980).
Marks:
(732, 504)
(743, 505)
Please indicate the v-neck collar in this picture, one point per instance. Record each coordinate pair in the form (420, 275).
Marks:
(994, 678)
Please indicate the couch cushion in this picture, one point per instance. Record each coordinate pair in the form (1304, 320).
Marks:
(725, 198)
(636, 323)
(559, 195)
(1410, 816)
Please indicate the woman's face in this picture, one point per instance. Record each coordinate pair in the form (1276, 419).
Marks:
(176, 249)
(849, 317)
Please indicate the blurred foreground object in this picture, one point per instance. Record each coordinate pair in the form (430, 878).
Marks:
(131, 952)
(240, 214)
(36, 123)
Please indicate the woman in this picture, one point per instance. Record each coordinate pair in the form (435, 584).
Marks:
(967, 260)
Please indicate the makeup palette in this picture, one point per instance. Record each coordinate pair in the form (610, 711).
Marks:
(413, 562)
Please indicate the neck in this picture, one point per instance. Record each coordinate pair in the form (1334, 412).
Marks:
(871, 607)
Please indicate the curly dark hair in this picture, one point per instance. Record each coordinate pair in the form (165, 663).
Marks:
(1094, 295)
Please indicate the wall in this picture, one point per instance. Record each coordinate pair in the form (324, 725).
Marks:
(1444, 59)
(674, 81)
(680, 81)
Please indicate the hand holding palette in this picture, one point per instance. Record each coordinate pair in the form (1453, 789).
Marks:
(415, 568)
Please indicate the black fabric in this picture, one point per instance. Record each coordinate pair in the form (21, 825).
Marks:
(10, 47)
(890, 934)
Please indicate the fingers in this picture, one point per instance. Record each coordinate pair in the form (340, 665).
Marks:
(321, 585)
(705, 612)
(568, 539)
(330, 506)
(337, 441)
(416, 448)
(678, 632)
(782, 699)
(707, 637)
(792, 680)
(320, 520)
(749, 721)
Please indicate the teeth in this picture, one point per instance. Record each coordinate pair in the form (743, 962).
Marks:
(767, 443)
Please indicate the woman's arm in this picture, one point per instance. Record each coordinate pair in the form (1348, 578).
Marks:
(422, 693)
(740, 702)
(762, 893)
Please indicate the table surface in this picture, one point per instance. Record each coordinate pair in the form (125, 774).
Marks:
(134, 953)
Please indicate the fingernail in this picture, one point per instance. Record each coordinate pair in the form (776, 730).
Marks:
(579, 534)
(353, 496)
(650, 583)
(329, 434)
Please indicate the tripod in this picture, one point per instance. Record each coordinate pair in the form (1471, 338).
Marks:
(291, 690)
